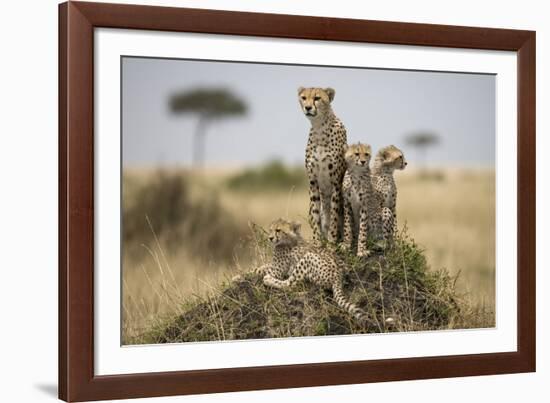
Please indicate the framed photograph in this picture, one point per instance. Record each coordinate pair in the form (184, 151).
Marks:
(257, 201)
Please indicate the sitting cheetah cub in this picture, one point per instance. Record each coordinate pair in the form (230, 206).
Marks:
(357, 191)
(386, 162)
(294, 261)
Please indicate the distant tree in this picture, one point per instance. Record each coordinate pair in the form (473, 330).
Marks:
(422, 141)
(209, 105)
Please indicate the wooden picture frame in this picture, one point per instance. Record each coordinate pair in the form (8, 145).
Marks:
(77, 21)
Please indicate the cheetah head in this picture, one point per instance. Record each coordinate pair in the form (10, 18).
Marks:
(392, 157)
(284, 233)
(358, 156)
(315, 101)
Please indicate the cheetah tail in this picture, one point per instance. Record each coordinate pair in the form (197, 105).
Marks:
(345, 304)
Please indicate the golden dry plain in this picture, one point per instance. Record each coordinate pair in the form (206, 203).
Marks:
(450, 213)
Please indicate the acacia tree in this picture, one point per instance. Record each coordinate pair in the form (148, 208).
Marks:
(209, 105)
(422, 141)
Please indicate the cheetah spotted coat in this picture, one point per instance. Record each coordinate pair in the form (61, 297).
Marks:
(294, 262)
(359, 204)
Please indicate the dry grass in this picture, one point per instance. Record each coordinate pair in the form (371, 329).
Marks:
(452, 220)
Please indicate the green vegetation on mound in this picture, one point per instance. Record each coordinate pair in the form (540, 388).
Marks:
(396, 290)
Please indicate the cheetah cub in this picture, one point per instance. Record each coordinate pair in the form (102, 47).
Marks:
(294, 261)
(357, 192)
(386, 162)
(325, 165)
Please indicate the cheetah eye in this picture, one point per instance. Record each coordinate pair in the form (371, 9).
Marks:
(357, 154)
(316, 98)
(303, 98)
(277, 230)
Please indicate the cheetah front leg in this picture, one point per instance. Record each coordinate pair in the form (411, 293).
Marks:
(258, 271)
(348, 225)
(394, 226)
(315, 210)
(274, 282)
(388, 224)
(335, 213)
(271, 271)
(325, 214)
(296, 276)
(362, 241)
(263, 269)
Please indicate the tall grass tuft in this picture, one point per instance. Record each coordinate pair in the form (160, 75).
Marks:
(164, 202)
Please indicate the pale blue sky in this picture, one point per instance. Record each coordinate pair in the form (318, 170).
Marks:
(379, 107)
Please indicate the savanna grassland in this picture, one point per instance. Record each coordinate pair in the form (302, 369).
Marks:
(186, 235)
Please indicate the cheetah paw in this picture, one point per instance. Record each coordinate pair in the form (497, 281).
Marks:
(344, 247)
(381, 245)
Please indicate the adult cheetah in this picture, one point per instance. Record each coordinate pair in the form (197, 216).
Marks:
(324, 162)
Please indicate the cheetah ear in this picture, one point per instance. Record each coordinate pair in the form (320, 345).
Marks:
(330, 92)
(300, 89)
(296, 226)
(386, 155)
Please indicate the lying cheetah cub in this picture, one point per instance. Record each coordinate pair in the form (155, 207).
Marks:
(386, 162)
(294, 261)
(357, 191)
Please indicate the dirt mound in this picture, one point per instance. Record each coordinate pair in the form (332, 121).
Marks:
(396, 290)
